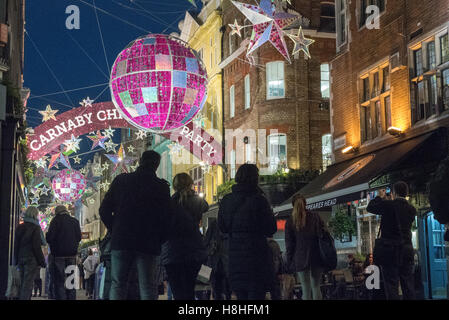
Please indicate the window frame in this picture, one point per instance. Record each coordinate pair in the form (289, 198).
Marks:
(341, 22)
(232, 101)
(247, 91)
(278, 136)
(328, 81)
(267, 73)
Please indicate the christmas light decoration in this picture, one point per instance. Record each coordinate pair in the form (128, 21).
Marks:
(236, 28)
(267, 25)
(68, 185)
(141, 134)
(87, 102)
(72, 145)
(98, 140)
(301, 43)
(158, 83)
(48, 114)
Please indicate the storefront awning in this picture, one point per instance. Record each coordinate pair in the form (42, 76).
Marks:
(348, 180)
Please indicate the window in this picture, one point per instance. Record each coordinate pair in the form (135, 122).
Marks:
(326, 147)
(366, 88)
(341, 22)
(232, 102)
(277, 151)
(431, 56)
(247, 92)
(378, 128)
(421, 101)
(386, 79)
(433, 95)
(417, 54)
(198, 179)
(232, 164)
(325, 87)
(365, 123)
(445, 79)
(275, 80)
(375, 91)
(387, 105)
(444, 45)
(327, 19)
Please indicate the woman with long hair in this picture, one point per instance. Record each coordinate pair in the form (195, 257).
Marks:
(301, 241)
(28, 251)
(184, 252)
(245, 215)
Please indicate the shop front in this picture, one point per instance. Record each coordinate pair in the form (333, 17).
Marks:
(348, 187)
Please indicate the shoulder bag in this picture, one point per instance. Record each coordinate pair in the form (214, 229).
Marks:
(326, 245)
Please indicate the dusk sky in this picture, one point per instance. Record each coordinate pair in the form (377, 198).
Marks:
(58, 59)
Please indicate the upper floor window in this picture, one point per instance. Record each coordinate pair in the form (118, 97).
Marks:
(445, 84)
(417, 57)
(386, 79)
(233, 164)
(232, 101)
(341, 22)
(275, 80)
(327, 19)
(326, 147)
(431, 56)
(198, 179)
(325, 81)
(247, 92)
(444, 45)
(277, 151)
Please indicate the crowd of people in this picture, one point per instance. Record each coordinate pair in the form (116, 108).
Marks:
(154, 238)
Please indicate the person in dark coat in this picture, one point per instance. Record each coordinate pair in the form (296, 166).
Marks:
(63, 237)
(28, 252)
(397, 262)
(301, 243)
(136, 210)
(246, 216)
(218, 257)
(184, 252)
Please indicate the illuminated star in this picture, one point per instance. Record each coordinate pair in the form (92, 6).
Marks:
(83, 171)
(236, 28)
(105, 166)
(98, 140)
(120, 159)
(59, 157)
(141, 134)
(110, 146)
(41, 163)
(77, 160)
(48, 114)
(45, 190)
(267, 25)
(130, 149)
(105, 186)
(134, 167)
(87, 102)
(35, 200)
(301, 43)
(109, 132)
(73, 144)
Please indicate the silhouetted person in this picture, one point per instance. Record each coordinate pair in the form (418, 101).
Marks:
(246, 216)
(184, 252)
(63, 237)
(136, 210)
(28, 252)
(395, 256)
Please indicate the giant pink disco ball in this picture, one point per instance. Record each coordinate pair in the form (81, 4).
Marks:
(68, 185)
(158, 83)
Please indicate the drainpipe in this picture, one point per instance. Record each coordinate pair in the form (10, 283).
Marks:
(223, 140)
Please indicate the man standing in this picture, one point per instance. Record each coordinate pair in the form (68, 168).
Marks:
(136, 211)
(63, 237)
(394, 250)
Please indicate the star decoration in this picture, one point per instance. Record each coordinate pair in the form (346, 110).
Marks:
(98, 140)
(83, 171)
(45, 190)
(110, 146)
(141, 134)
(105, 166)
(92, 179)
(108, 132)
(131, 149)
(48, 114)
(236, 28)
(73, 144)
(35, 200)
(134, 167)
(97, 170)
(301, 43)
(41, 163)
(59, 157)
(119, 159)
(87, 102)
(105, 186)
(267, 25)
(77, 160)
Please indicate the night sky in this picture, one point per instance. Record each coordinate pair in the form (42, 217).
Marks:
(58, 59)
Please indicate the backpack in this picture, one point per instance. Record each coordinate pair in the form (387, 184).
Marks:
(439, 192)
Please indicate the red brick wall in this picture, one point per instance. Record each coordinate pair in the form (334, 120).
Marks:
(298, 114)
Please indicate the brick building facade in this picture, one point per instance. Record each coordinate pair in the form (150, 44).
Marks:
(295, 107)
